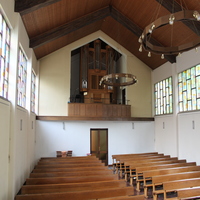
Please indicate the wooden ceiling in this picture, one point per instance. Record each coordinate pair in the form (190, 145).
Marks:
(53, 24)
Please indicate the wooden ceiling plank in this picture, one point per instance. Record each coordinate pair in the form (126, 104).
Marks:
(69, 27)
(172, 6)
(136, 30)
(27, 6)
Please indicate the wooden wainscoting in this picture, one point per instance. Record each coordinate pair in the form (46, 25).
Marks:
(98, 110)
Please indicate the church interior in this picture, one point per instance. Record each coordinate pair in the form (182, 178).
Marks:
(100, 83)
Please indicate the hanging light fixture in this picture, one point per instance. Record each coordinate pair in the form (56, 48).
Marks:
(171, 19)
(118, 79)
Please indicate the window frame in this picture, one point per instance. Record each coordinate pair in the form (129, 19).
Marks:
(33, 91)
(22, 78)
(163, 97)
(189, 89)
(5, 42)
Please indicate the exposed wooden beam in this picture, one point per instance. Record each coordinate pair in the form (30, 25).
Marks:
(65, 29)
(136, 30)
(69, 27)
(27, 6)
(172, 6)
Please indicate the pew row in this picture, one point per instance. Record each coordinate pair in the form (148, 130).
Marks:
(83, 195)
(74, 169)
(71, 179)
(188, 193)
(120, 160)
(67, 174)
(145, 174)
(172, 177)
(136, 170)
(155, 178)
(175, 186)
(53, 188)
(70, 165)
(138, 197)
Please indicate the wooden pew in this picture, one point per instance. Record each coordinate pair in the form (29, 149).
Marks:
(71, 179)
(83, 195)
(155, 176)
(146, 160)
(49, 159)
(171, 177)
(136, 197)
(116, 162)
(53, 188)
(75, 173)
(174, 186)
(188, 193)
(132, 166)
(155, 170)
(69, 165)
(120, 160)
(135, 154)
(74, 169)
(69, 162)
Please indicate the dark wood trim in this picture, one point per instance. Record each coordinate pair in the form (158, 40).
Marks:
(69, 27)
(27, 6)
(67, 118)
(172, 6)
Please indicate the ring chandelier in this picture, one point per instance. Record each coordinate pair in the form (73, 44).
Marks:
(184, 15)
(118, 79)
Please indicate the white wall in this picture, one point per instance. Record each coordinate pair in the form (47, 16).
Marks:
(174, 133)
(17, 155)
(123, 137)
(4, 148)
(55, 79)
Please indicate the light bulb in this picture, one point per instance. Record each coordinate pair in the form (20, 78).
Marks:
(151, 28)
(140, 40)
(171, 19)
(140, 49)
(149, 54)
(162, 56)
(196, 15)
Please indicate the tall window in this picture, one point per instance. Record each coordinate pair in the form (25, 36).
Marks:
(4, 56)
(22, 75)
(33, 78)
(163, 97)
(189, 89)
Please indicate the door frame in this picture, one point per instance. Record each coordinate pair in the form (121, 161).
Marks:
(99, 129)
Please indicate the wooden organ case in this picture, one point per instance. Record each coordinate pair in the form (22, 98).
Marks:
(98, 101)
(95, 63)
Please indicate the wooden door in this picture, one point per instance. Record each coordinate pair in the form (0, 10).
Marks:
(99, 144)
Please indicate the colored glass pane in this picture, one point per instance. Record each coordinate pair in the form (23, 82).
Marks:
(198, 86)
(22, 76)
(162, 99)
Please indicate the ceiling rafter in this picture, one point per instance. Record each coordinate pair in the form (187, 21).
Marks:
(172, 6)
(86, 20)
(69, 27)
(27, 6)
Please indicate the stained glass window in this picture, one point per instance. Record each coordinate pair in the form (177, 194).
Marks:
(22, 75)
(163, 97)
(33, 77)
(189, 89)
(4, 56)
